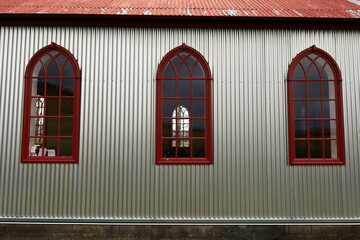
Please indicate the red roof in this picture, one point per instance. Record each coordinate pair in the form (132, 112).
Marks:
(244, 8)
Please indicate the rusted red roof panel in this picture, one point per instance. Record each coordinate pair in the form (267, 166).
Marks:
(251, 8)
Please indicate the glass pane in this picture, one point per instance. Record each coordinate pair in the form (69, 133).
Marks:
(66, 126)
(328, 89)
(299, 73)
(327, 73)
(169, 71)
(65, 147)
(299, 89)
(60, 59)
(300, 129)
(168, 129)
(51, 146)
(314, 109)
(52, 107)
(53, 69)
(198, 148)
(36, 126)
(330, 128)
(191, 61)
(314, 89)
(198, 88)
(183, 88)
(313, 73)
(169, 88)
(34, 146)
(68, 70)
(315, 149)
(320, 62)
(169, 148)
(168, 107)
(183, 127)
(184, 148)
(183, 108)
(176, 61)
(38, 87)
(198, 126)
(305, 62)
(301, 149)
(67, 107)
(51, 126)
(315, 129)
(198, 71)
(198, 108)
(312, 56)
(330, 149)
(184, 71)
(299, 109)
(39, 70)
(67, 87)
(329, 109)
(37, 106)
(52, 86)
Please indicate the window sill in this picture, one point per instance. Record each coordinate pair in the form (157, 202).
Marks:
(316, 161)
(49, 160)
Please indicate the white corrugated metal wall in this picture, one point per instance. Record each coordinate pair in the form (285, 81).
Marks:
(117, 178)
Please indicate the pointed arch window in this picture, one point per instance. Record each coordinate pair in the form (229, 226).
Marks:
(184, 128)
(316, 134)
(51, 107)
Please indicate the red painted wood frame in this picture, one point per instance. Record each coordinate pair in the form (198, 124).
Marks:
(183, 53)
(301, 144)
(28, 118)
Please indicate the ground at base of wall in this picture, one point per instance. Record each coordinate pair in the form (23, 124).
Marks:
(266, 232)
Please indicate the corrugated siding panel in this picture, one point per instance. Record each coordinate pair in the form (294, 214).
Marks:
(117, 178)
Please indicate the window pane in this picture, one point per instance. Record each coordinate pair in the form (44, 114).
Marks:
(313, 73)
(51, 146)
(300, 129)
(330, 149)
(37, 106)
(51, 126)
(183, 127)
(198, 108)
(34, 145)
(320, 62)
(169, 71)
(53, 69)
(66, 126)
(314, 89)
(68, 70)
(329, 109)
(198, 71)
(60, 59)
(176, 61)
(299, 73)
(198, 148)
(168, 107)
(36, 126)
(52, 107)
(52, 87)
(315, 129)
(184, 148)
(305, 63)
(198, 126)
(169, 88)
(169, 148)
(316, 149)
(184, 71)
(65, 146)
(67, 107)
(314, 109)
(299, 109)
(183, 88)
(183, 108)
(328, 89)
(191, 61)
(327, 73)
(312, 56)
(67, 87)
(198, 88)
(167, 130)
(330, 128)
(299, 89)
(301, 149)
(37, 87)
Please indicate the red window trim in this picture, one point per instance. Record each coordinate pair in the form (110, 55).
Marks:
(340, 160)
(208, 159)
(27, 108)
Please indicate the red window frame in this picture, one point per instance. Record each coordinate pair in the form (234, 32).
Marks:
(338, 139)
(207, 159)
(75, 116)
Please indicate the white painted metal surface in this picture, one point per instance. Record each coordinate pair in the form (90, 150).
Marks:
(117, 179)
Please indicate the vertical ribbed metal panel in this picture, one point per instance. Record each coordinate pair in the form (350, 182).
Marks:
(117, 178)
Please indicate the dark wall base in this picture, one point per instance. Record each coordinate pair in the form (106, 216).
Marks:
(281, 232)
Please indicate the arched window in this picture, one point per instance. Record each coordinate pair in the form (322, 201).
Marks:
(183, 118)
(316, 134)
(51, 107)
